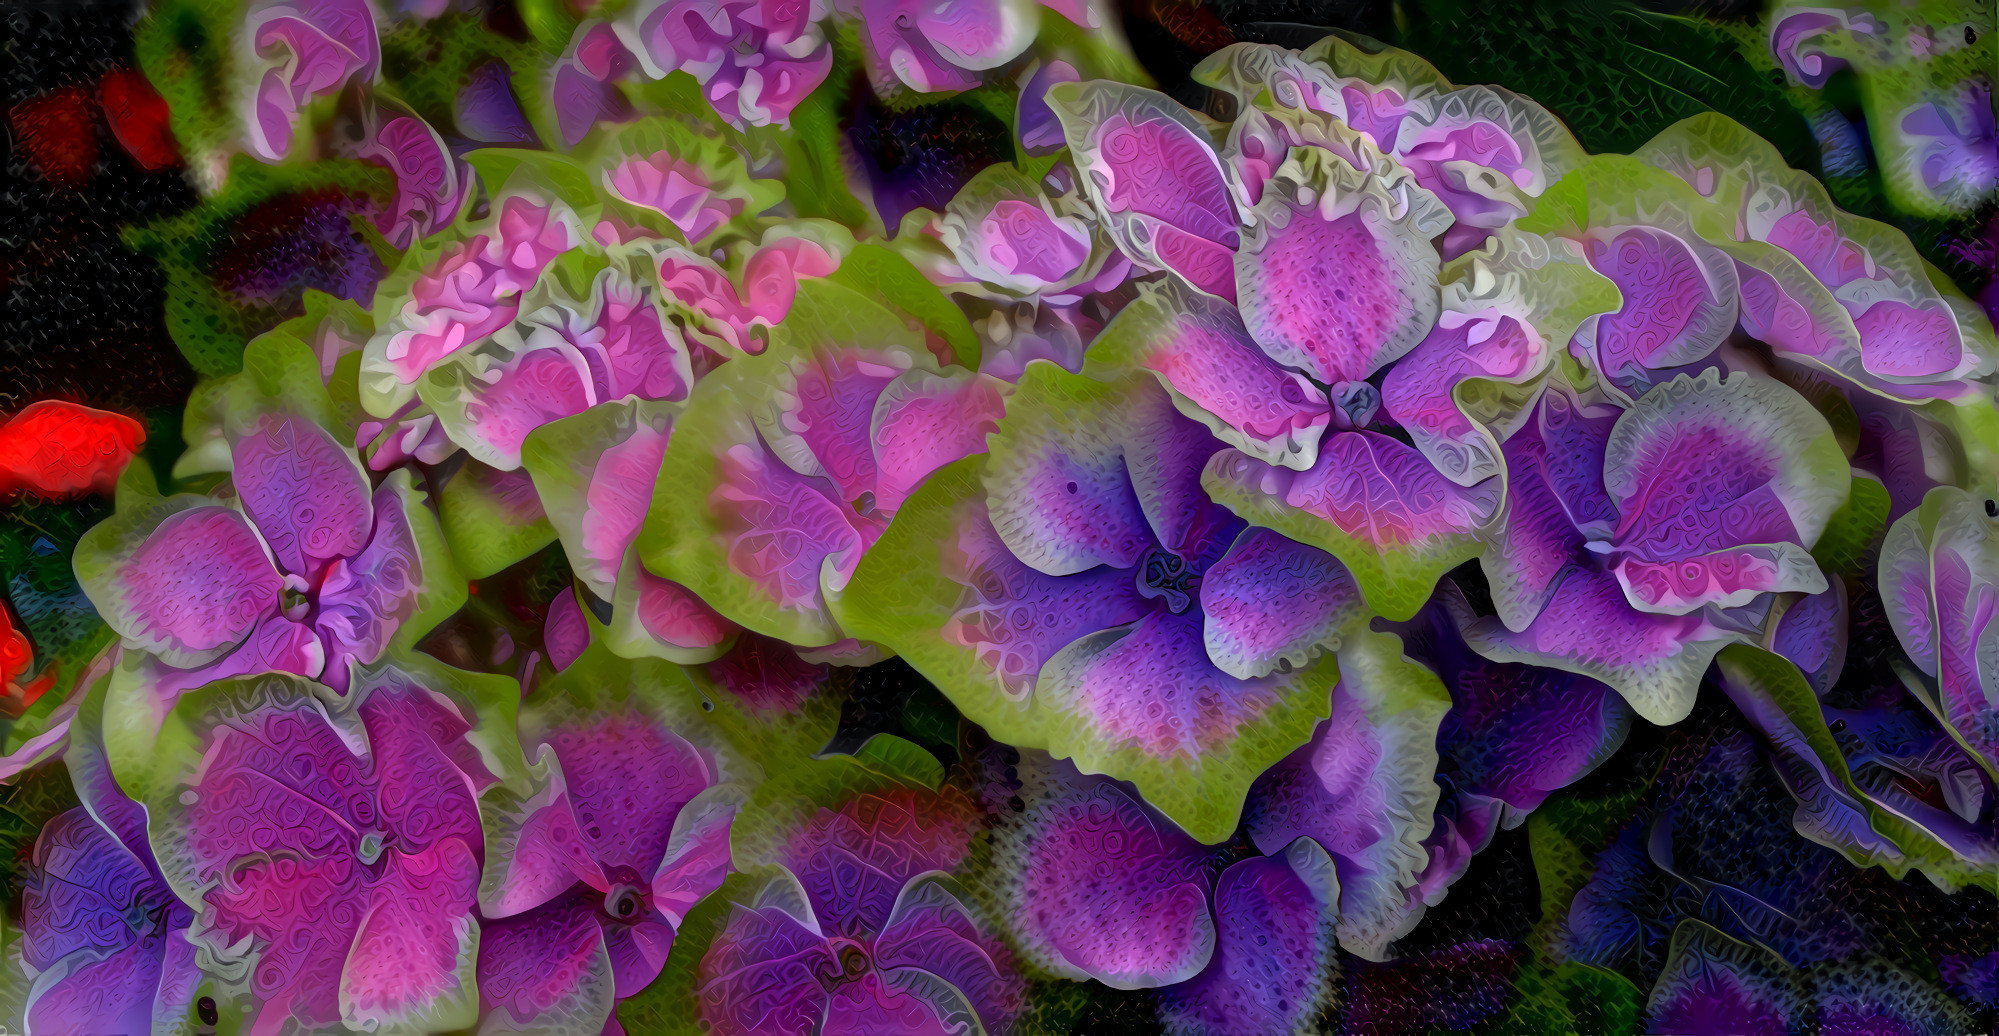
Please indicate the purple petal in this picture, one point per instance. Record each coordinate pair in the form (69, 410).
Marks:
(854, 863)
(1677, 306)
(1721, 486)
(485, 109)
(1274, 604)
(193, 588)
(547, 966)
(902, 1002)
(763, 974)
(1812, 634)
(1152, 683)
(585, 89)
(1713, 984)
(1102, 889)
(1056, 483)
(1198, 348)
(1417, 392)
(365, 599)
(565, 633)
(308, 495)
(76, 897)
(628, 777)
(1273, 952)
(935, 934)
(924, 421)
(1554, 493)
(1015, 618)
(431, 185)
(1587, 627)
(413, 954)
(697, 854)
(1040, 132)
(825, 406)
(537, 852)
(1336, 294)
(784, 529)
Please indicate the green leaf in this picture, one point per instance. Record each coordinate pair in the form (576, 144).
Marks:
(1853, 531)
(880, 273)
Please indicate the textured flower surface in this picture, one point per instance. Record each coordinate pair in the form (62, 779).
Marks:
(303, 569)
(589, 876)
(302, 50)
(331, 847)
(1091, 599)
(755, 59)
(853, 923)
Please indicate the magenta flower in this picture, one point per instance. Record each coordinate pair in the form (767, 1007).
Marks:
(561, 357)
(304, 570)
(1095, 601)
(590, 876)
(331, 846)
(857, 931)
(1639, 542)
(755, 59)
(303, 49)
(1101, 887)
(101, 929)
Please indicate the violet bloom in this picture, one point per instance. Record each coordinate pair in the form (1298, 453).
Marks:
(305, 570)
(303, 49)
(585, 87)
(1640, 541)
(1093, 599)
(930, 47)
(792, 463)
(854, 930)
(332, 846)
(590, 875)
(755, 59)
(1098, 886)
(101, 929)
(1939, 580)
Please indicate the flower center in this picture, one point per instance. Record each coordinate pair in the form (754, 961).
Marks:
(624, 902)
(1354, 404)
(1163, 574)
(370, 848)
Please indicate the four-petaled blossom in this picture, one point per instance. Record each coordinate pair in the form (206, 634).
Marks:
(590, 876)
(854, 930)
(332, 846)
(1641, 541)
(304, 569)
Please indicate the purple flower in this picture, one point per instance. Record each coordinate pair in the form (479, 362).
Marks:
(1939, 581)
(1095, 600)
(303, 49)
(755, 59)
(1640, 541)
(1798, 38)
(590, 875)
(585, 85)
(304, 570)
(1100, 887)
(101, 929)
(855, 930)
(332, 847)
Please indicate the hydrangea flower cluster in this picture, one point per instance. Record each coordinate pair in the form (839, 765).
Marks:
(1277, 503)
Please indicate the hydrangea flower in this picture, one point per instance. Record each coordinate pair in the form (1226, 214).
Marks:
(330, 845)
(453, 296)
(756, 60)
(1077, 590)
(590, 874)
(295, 564)
(1640, 541)
(301, 50)
(850, 921)
(784, 467)
(1098, 886)
(101, 929)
